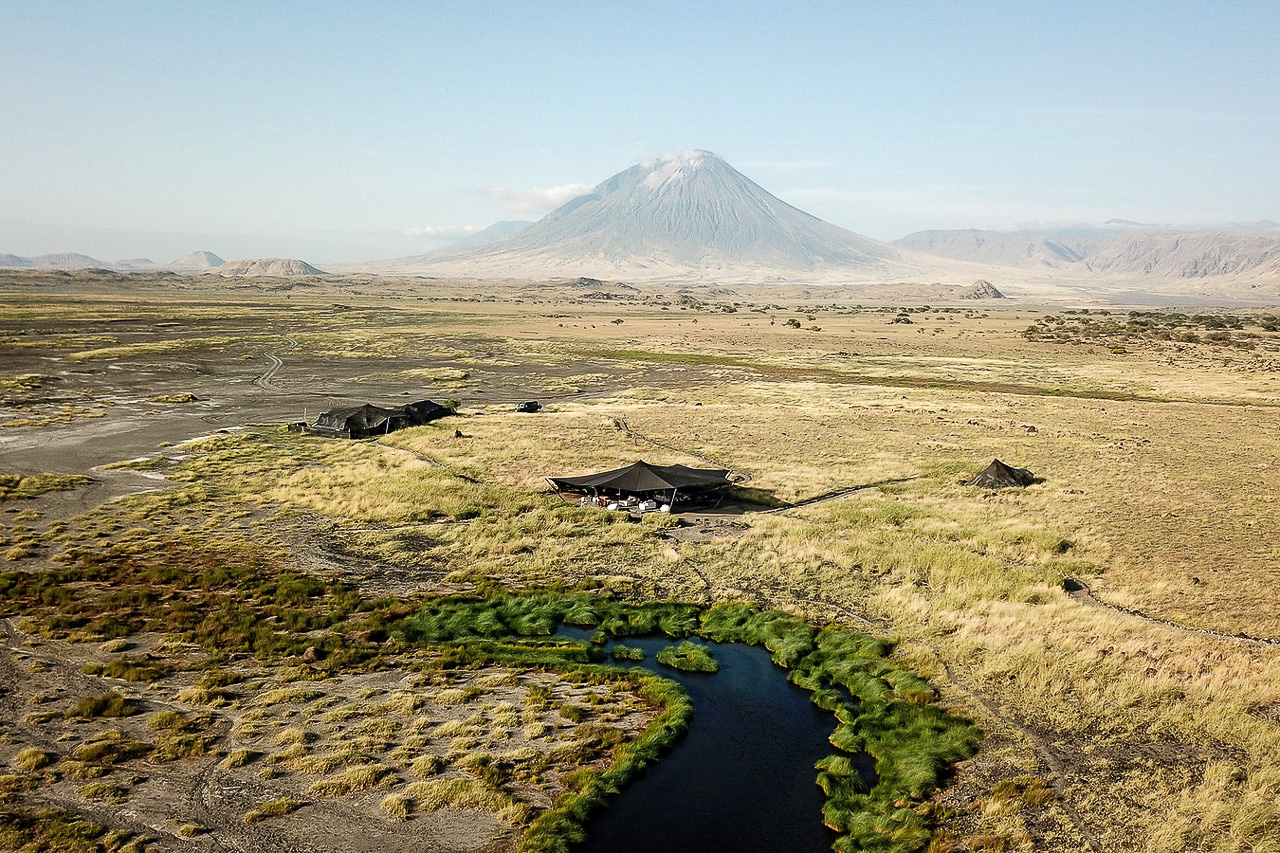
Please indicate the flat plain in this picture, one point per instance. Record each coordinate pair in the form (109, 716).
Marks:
(1112, 629)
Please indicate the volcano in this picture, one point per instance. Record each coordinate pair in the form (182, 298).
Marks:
(681, 215)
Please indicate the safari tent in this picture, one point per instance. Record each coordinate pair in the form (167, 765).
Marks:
(642, 480)
(999, 476)
(369, 420)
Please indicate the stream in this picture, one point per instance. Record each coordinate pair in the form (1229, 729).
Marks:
(741, 779)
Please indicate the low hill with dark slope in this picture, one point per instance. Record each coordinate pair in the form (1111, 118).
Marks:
(1178, 255)
(683, 214)
(265, 268)
(1024, 249)
(8, 261)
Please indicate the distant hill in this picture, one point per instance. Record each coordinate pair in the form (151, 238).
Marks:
(65, 261)
(195, 262)
(265, 267)
(1117, 249)
(495, 232)
(981, 289)
(1007, 248)
(1189, 255)
(684, 213)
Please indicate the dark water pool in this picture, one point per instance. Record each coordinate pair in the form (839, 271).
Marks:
(741, 780)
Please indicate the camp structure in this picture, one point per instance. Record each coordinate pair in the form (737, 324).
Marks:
(370, 420)
(640, 480)
(999, 476)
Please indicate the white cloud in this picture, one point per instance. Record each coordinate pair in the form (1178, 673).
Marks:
(441, 230)
(535, 200)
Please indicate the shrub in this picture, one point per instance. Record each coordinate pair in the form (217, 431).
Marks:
(396, 806)
(353, 779)
(239, 758)
(128, 668)
(427, 765)
(172, 746)
(104, 791)
(272, 808)
(32, 759)
(106, 705)
(110, 747)
(167, 721)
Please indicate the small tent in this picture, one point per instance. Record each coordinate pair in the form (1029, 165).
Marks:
(642, 480)
(369, 420)
(999, 476)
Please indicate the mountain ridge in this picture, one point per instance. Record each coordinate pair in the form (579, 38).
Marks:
(684, 213)
(1159, 253)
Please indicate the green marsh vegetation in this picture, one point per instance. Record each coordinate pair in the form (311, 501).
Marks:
(688, 657)
(881, 708)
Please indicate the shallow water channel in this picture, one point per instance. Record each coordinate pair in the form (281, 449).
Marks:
(741, 779)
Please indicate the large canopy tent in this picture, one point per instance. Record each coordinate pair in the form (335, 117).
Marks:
(998, 475)
(368, 420)
(642, 480)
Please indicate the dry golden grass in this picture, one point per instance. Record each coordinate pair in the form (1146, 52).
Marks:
(1159, 470)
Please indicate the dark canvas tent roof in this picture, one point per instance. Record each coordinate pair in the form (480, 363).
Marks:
(999, 475)
(643, 477)
(370, 419)
(363, 417)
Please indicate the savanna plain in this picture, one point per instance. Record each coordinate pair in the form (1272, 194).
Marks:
(219, 634)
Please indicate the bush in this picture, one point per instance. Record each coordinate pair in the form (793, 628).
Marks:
(32, 759)
(272, 808)
(106, 705)
(396, 806)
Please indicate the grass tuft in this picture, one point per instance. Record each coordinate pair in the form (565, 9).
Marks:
(396, 806)
(272, 808)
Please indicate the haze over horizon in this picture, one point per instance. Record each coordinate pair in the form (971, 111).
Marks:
(332, 133)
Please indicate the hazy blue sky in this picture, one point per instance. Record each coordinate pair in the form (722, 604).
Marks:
(345, 131)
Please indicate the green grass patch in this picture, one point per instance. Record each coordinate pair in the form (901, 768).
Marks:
(131, 668)
(110, 748)
(15, 487)
(104, 705)
(623, 652)
(688, 657)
